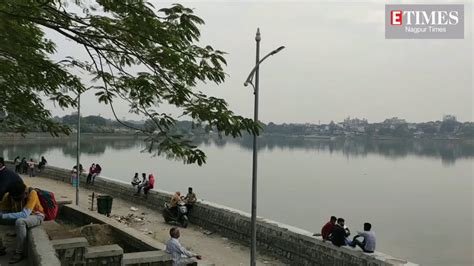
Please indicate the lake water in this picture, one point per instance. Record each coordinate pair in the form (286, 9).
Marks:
(418, 195)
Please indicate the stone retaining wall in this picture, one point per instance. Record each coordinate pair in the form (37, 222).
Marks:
(292, 245)
(40, 250)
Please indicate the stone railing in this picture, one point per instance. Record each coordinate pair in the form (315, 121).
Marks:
(292, 245)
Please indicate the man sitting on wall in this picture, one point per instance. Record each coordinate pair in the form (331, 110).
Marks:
(190, 199)
(327, 228)
(368, 244)
(339, 234)
(21, 205)
(179, 254)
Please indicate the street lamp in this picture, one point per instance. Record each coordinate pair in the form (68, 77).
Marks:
(78, 140)
(255, 72)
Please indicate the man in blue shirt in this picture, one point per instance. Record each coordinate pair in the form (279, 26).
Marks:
(179, 254)
(368, 244)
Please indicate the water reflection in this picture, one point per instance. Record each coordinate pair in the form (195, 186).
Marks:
(447, 151)
(89, 145)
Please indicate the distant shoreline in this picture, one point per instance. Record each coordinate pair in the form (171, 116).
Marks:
(4, 136)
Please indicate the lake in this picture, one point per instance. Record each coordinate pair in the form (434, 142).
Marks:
(418, 194)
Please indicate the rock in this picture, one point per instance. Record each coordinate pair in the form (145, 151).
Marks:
(133, 209)
(208, 232)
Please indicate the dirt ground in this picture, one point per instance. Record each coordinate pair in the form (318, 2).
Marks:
(211, 246)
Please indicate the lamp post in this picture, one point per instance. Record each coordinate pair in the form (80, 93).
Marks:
(78, 142)
(255, 72)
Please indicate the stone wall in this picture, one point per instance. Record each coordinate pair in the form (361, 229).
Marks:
(292, 245)
(39, 248)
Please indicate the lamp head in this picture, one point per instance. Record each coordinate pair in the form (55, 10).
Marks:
(278, 50)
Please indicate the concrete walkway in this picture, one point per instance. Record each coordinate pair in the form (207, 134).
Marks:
(211, 246)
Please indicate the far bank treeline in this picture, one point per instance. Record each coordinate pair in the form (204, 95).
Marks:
(447, 128)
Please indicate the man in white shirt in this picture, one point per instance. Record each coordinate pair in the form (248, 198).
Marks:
(368, 244)
(179, 254)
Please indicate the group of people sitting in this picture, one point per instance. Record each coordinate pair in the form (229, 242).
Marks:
(19, 205)
(145, 184)
(338, 233)
(94, 171)
(28, 167)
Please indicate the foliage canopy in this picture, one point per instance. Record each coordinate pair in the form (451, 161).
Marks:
(119, 37)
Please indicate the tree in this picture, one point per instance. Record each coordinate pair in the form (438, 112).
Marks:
(119, 37)
(448, 126)
(94, 120)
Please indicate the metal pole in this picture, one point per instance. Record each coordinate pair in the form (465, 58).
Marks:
(253, 250)
(78, 146)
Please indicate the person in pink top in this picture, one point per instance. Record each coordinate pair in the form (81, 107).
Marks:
(151, 184)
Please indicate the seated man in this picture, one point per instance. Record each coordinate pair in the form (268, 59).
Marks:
(179, 254)
(136, 180)
(327, 228)
(190, 199)
(42, 163)
(368, 244)
(22, 206)
(339, 234)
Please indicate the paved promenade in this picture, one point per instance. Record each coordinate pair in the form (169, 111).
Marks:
(213, 247)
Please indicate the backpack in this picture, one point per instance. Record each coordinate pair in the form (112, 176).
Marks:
(49, 204)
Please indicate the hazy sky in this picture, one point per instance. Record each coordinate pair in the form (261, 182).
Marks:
(337, 63)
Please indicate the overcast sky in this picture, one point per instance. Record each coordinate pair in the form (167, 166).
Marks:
(337, 63)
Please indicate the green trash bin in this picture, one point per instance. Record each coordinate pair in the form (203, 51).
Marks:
(104, 204)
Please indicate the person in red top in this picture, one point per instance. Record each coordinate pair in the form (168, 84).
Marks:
(151, 184)
(327, 228)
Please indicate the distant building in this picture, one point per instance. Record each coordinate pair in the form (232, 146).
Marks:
(449, 118)
(412, 126)
(355, 124)
(394, 121)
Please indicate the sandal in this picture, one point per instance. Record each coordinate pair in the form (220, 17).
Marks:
(17, 257)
